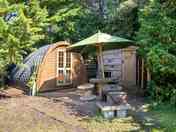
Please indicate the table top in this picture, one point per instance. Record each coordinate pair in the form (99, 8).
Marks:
(86, 86)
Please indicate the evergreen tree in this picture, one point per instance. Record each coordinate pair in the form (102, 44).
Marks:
(21, 27)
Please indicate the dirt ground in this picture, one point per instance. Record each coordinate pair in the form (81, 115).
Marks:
(59, 111)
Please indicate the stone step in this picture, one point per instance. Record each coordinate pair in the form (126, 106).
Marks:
(111, 111)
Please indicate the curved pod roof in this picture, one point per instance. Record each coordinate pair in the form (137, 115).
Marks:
(23, 72)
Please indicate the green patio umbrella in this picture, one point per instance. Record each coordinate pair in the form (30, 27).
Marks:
(99, 42)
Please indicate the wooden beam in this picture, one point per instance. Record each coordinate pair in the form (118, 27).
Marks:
(142, 74)
(148, 75)
(138, 71)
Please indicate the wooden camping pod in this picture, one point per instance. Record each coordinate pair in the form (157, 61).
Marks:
(60, 69)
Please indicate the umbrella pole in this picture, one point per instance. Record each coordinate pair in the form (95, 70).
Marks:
(100, 61)
(101, 69)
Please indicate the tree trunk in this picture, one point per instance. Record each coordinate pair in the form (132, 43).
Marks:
(102, 8)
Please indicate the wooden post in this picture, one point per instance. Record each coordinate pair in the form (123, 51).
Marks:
(100, 61)
(142, 75)
(122, 66)
(102, 64)
(138, 71)
(148, 75)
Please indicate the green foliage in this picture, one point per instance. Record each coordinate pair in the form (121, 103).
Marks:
(70, 20)
(162, 93)
(20, 33)
(122, 19)
(157, 42)
(161, 63)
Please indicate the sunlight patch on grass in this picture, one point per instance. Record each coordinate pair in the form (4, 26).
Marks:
(99, 124)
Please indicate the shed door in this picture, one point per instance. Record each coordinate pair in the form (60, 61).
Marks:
(63, 67)
(129, 67)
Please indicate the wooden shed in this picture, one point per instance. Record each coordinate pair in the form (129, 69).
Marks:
(121, 64)
(55, 68)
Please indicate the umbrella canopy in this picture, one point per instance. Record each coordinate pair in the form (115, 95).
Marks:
(99, 42)
(105, 40)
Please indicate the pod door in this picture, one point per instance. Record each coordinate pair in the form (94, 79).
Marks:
(63, 67)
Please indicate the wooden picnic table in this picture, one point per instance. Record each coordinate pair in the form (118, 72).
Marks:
(100, 82)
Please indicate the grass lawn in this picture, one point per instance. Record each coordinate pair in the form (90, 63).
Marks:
(99, 124)
(166, 116)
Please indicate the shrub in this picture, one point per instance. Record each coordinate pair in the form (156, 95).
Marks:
(157, 45)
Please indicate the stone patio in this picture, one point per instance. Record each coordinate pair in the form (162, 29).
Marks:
(71, 99)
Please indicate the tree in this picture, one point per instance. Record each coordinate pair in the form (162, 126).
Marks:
(21, 27)
(121, 16)
(157, 42)
(70, 20)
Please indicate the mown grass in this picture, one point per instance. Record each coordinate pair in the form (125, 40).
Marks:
(99, 124)
(165, 114)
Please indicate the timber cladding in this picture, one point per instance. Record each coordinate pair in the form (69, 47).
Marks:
(121, 64)
(47, 76)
